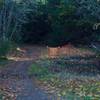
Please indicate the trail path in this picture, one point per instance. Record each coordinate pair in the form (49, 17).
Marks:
(16, 81)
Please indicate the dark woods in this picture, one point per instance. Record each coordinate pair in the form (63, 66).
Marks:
(53, 22)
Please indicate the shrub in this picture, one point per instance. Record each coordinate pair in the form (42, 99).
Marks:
(5, 47)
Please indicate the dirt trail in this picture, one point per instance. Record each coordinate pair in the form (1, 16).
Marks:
(14, 79)
(16, 82)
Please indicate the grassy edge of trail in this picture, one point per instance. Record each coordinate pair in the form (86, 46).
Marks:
(66, 85)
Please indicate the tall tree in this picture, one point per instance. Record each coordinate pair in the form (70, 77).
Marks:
(12, 16)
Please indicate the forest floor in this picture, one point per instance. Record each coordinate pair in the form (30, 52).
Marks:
(16, 82)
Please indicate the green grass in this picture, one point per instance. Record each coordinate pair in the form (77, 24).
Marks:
(38, 71)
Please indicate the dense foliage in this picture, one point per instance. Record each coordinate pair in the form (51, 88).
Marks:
(61, 21)
(53, 22)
